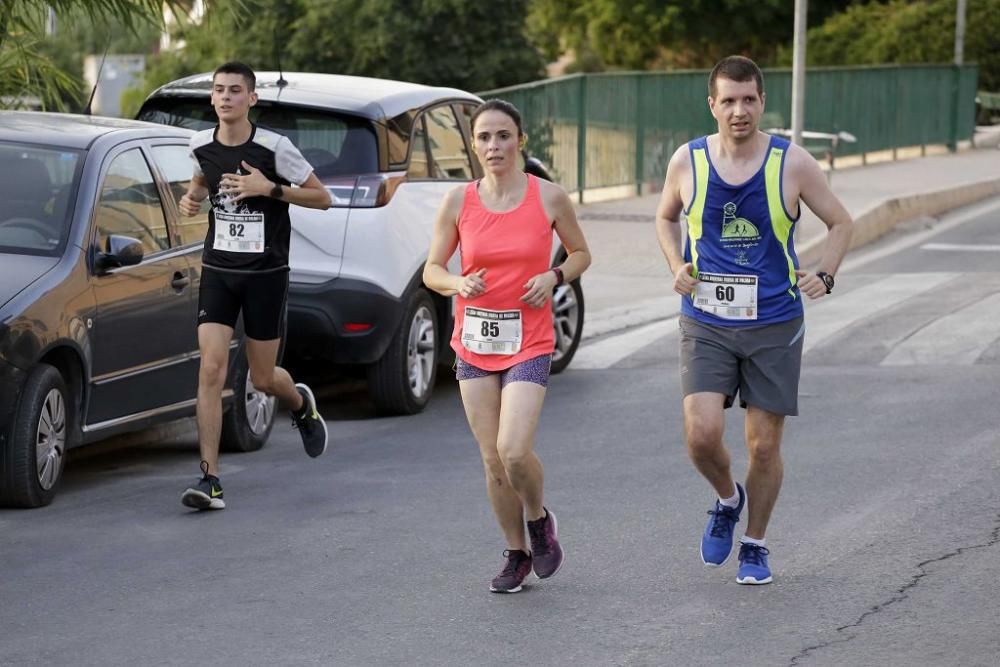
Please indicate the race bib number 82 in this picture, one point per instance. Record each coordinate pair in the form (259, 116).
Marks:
(239, 232)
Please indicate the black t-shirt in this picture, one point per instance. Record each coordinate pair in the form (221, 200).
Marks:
(252, 234)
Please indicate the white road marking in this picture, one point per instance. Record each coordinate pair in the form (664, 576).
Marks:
(861, 256)
(608, 352)
(955, 340)
(964, 247)
(959, 338)
(826, 318)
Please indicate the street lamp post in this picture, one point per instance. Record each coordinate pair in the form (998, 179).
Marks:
(799, 71)
(957, 73)
(959, 31)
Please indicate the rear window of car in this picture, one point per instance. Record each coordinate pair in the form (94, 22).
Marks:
(334, 144)
(37, 187)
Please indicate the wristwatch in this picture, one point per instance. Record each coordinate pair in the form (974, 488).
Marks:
(560, 279)
(277, 191)
(827, 280)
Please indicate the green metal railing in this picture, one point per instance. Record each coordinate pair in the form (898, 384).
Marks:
(615, 129)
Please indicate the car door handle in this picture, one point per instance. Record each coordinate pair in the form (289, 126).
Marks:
(180, 281)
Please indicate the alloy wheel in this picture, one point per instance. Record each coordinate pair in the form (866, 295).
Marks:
(260, 408)
(421, 351)
(50, 439)
(565, 316)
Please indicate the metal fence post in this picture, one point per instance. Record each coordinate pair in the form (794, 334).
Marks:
(895, 113)
(956, 72)
(581, 139)
(640, 137)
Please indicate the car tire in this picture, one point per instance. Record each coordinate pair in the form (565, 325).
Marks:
(402, 381)
(247, 423)
(43, 421)
(567, 318)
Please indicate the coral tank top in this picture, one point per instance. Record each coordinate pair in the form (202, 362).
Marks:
(496, 330)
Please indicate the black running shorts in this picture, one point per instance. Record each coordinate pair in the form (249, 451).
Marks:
(261, 297)
(761, 362)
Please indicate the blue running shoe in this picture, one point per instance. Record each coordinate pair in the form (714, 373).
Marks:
(717, 540)
(753, 565)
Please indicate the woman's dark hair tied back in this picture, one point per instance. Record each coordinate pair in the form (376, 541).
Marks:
(502, 106)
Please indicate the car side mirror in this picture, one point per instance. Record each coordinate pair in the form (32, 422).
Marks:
(120, 251)
(536, 167)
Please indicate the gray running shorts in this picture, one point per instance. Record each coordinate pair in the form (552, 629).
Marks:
(761, 362)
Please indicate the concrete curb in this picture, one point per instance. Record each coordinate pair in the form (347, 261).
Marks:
(881, 218)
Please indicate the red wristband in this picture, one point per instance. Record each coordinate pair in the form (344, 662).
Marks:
(560, 279)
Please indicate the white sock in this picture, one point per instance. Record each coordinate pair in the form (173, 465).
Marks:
(732, 501)
(750, 540)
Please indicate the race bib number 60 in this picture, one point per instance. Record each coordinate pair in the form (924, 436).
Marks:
(491, 331)
(729, 296)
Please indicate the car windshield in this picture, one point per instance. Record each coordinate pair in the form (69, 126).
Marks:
(37, 186)
(334, 144)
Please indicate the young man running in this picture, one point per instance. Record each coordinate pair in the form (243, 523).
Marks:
(741, 314)
(247, 171)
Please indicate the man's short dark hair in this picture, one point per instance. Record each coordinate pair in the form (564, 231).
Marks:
(736, 68)
(234, 67)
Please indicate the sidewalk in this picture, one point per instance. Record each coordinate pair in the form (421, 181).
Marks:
(629, 283)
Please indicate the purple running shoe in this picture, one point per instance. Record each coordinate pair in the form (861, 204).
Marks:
(513, 573)
(545, 550)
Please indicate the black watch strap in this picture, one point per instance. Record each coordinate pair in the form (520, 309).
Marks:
(827, 280)
(277, 191)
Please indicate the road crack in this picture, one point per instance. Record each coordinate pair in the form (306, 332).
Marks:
(901, 594)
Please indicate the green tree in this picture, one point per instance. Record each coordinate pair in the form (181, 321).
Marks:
(33, 64)
(645, 34)
(30, 66)
(911, 32)
(456, 43)
(470, 45)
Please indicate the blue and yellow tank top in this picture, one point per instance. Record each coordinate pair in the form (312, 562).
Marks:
(743, 230)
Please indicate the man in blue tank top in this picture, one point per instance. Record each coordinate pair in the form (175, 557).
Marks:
(741, 288)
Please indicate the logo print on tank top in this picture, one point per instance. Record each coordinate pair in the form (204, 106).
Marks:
(734, 228)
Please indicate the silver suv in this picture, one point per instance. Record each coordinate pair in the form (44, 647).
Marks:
(388, 152)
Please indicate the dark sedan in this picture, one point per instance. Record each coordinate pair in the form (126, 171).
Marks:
(99, 280)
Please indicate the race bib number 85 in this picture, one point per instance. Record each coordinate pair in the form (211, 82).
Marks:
(491, 331)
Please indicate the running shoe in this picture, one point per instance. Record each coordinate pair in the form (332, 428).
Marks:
(311, 426)
(206, 494)
(753, 565)
(717, 540)
(545, 550)
(513, 573)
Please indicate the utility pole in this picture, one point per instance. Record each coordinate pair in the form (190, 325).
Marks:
(799, 71)
(959, 32)
(957, 73)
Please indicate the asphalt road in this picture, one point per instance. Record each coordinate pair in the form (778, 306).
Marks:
(885, 542)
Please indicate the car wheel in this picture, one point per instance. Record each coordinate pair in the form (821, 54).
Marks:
(248, 422)
(36, 453)
(401, 382)
(567, 317)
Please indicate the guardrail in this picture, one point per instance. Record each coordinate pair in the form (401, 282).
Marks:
(618, 130)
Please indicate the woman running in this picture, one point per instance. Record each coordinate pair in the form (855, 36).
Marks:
(504, 336)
